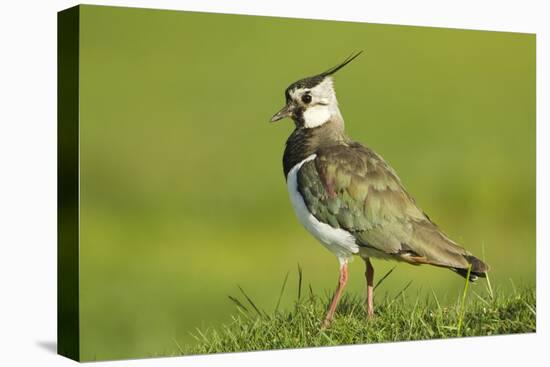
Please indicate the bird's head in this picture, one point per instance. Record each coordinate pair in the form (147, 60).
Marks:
(311, 101)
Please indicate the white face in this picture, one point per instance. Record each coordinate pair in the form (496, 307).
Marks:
(321, 105)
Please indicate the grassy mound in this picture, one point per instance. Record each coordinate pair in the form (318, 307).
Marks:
(397, 319)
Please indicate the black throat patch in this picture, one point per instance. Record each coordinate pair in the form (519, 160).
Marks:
(304, 142)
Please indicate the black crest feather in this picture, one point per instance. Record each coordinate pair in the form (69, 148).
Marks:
(334, 69)
(312, 81)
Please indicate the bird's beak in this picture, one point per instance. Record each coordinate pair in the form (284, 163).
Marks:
(286, 111)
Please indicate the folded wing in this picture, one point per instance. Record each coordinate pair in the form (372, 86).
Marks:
(351, 187)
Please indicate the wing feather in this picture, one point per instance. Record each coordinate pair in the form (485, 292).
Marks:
(351, 187)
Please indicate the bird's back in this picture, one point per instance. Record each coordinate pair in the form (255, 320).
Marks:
(351, 187)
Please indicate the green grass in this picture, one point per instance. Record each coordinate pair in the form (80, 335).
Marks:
(397, 319)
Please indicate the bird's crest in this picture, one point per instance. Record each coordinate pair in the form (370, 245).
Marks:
(334, 69)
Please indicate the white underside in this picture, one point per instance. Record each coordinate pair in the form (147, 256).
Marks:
(340, 242)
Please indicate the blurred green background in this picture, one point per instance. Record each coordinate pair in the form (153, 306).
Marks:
(182, 191)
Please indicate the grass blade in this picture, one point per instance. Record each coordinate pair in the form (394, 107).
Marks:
(299, 282)
(404, 289)
(488, 284)
(529, 307)
(436, 300)
(328, 338)
(399, 294)
(482, 299)
(384, 277)
(513, 286)
(238, 303)
(462, 305)
(251, 302)
(281, 293)
(179, 346)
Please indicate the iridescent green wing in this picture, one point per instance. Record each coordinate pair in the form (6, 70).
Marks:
(351, 187)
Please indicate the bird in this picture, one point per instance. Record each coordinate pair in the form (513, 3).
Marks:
(350, 199)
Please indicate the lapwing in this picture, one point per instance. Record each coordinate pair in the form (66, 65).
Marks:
(350, 199)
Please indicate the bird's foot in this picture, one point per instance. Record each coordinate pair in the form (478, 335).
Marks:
(326, 323)
(369, 310)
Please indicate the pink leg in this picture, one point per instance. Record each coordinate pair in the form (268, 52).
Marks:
(339, 290)
(369, 274)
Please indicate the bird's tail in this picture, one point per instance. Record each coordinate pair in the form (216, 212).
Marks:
(439, 250)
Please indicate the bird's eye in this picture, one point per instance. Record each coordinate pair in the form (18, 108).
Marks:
(306, 98)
